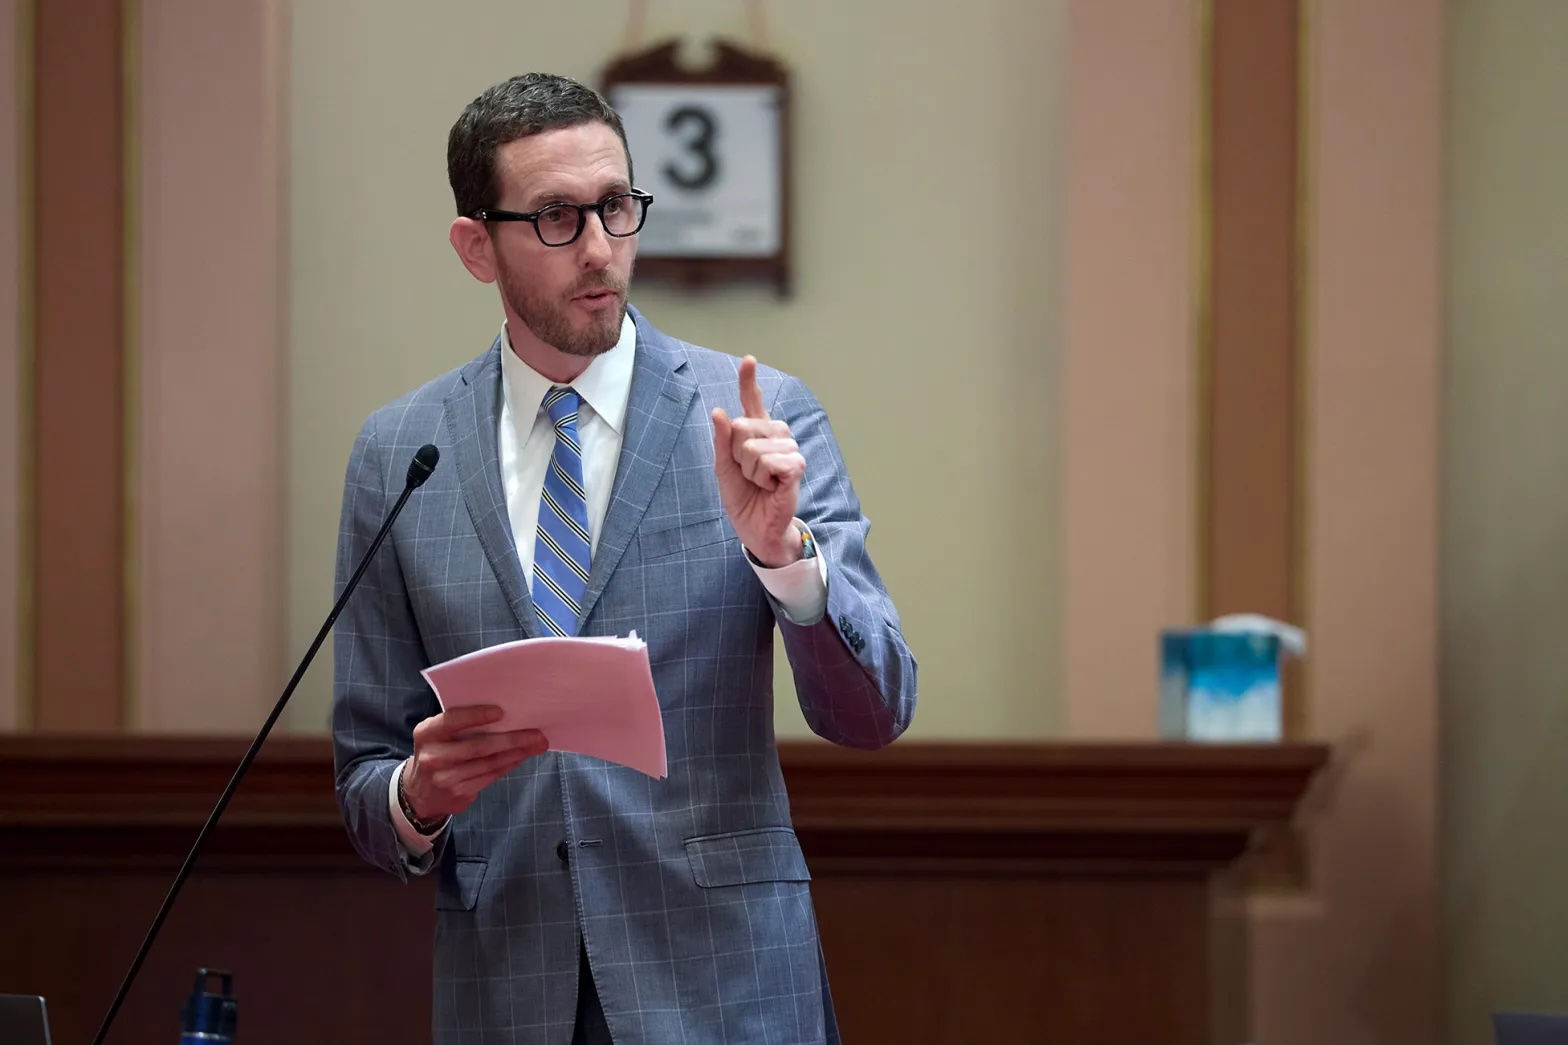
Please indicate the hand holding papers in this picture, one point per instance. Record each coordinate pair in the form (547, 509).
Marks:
(592, 696)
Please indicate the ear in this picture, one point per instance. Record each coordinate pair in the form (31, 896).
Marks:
(471, 240)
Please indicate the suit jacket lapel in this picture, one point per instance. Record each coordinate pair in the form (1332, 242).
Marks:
(661, 394)
(473, 411)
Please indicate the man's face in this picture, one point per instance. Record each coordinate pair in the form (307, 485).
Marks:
(573, 297)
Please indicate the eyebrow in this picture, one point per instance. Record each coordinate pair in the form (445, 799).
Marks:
(541, 199)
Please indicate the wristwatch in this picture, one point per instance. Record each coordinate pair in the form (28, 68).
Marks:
(424, 827)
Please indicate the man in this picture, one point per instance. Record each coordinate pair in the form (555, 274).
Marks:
(598, 477)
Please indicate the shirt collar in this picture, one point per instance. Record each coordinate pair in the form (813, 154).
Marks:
(605, 386)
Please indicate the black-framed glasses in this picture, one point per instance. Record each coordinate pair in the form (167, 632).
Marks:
(559, 224)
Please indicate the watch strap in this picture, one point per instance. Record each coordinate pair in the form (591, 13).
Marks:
(808, 548)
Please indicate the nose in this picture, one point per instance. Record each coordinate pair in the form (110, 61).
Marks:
(595, 244)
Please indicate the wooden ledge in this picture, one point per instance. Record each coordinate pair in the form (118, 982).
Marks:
(915, 808)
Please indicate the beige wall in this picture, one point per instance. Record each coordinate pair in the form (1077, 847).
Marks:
(1505, 514)
(13, 114)
(922, 345)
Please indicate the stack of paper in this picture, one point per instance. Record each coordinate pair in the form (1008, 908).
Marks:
(592, 696)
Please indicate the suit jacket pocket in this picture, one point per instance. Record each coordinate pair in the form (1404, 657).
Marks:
(765, 854)
(684, 537)
(461, 879)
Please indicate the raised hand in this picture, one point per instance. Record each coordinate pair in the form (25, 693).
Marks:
(759, 469)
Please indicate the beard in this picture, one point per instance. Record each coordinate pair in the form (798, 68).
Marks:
(550, 319)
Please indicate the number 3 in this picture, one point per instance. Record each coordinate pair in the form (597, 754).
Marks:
(700, 145)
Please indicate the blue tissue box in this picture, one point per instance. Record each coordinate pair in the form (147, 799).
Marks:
(1220, 685)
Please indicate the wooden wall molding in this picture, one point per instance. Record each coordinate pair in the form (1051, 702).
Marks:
(912, 809)
(965, 892)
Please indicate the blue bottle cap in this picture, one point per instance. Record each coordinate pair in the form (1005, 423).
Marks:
(208, 1014)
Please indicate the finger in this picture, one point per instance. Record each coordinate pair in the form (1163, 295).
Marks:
(723, 438)
(473, 777)
(760, 478)
(759, 428)
(456, 785)
(749, 438)
(752, 451)
(446, 753)
(781, 469)
(758, 447)
(750, 394)
(456, 720)
(469, 789)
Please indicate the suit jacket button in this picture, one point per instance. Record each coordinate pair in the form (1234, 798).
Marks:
(562, 852)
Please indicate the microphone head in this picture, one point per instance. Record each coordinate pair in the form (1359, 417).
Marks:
(423, 464)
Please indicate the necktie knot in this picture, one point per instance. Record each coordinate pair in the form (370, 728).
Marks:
(562, 403)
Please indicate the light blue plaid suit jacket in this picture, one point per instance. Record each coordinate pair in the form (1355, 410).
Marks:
(691, 892)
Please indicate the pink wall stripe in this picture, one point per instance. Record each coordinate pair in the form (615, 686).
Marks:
(209, 509)
(1128, 366)
(1358, 964)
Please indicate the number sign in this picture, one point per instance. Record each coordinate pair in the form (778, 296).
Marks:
(711, 146)
(709, 155)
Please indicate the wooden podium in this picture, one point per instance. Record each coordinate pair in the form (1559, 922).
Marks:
(967, 893)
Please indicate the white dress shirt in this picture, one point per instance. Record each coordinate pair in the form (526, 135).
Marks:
(525, 441)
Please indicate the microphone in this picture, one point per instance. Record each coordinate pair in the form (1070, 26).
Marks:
(419, 470)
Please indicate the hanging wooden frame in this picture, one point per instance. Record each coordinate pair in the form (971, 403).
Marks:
(712, 146)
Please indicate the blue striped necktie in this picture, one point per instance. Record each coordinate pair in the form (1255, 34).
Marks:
(561, 549)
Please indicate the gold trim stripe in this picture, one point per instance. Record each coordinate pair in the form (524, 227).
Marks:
(1298, 716)
(1249, 355)
(1203, 313)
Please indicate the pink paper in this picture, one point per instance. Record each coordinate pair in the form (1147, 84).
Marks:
(592, 696)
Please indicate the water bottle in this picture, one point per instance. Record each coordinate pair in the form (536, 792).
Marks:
(208, 1019)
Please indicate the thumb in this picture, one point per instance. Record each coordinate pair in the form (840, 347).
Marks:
(723, 454)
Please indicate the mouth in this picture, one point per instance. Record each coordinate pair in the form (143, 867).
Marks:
(599, 296)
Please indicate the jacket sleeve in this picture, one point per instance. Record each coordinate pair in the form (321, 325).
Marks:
(379, 695)
(855, 676)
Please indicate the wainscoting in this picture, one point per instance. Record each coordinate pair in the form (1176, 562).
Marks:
(967, 893)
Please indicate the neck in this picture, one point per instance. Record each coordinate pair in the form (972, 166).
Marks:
(559, 367)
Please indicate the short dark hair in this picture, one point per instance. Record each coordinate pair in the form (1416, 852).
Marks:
(516, 108)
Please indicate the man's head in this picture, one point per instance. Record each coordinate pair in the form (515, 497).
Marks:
(522, 158)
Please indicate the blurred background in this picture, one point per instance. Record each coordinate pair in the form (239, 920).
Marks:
(1127, 314)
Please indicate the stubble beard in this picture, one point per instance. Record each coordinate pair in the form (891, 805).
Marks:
(550, 320)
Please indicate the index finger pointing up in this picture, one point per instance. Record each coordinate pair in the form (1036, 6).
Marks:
(750, 394)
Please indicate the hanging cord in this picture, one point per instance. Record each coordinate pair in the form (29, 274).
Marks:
(636, 23)
(758, 23)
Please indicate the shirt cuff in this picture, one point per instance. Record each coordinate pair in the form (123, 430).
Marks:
(414, 843)
(801, 588)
